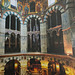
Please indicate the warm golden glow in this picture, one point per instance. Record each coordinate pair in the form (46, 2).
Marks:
(35, 70)
(16, 65)
(57, 67)
(69, 70)
(44, 64)
(67, 44)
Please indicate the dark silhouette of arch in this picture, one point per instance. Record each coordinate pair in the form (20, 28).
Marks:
(13, 43)
(34, 64)
(7, 22)
(18, 42)
(59, 22)
(54, 19)
(7, 48)
(55, 68)
(12, 68)
(18, 24)
(55, 43)
(13, 22)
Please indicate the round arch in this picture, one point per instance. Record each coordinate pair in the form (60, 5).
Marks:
(34, 64)
(55, 68)
(30, 16)
(56, 7)
(12, 13)
(12, 67)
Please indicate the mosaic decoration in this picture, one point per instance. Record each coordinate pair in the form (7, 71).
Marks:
(13, 4)
(6, 3)
(26, 9)
(0, 6)
(22, 7)
(38, 7)
(19, 8)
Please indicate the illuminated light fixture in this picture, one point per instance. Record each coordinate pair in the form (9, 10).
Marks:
(57, 67)
(16, 65)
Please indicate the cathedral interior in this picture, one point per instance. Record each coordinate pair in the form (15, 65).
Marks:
(37, 37)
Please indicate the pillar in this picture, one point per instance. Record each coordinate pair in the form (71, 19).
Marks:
(23, 38)
(30, 36)
(16, 30)
(2, 36)
(50, 22)
(9, 21)
(68, 31)
(67, 38)
(43, 37)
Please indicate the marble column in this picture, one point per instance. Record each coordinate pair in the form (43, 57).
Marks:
(50, 22)
(67, 37)
(16, 23)
(23, 38)
(30, 35)
(43, 37)
(9, 21)
(16, 30)
(2, 36)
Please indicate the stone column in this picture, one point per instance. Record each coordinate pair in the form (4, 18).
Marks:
(30, 25)
(9, 21)
(16, 41)
(30, 36)
(31, 41)
(56, 18)
(50, 21)
(36, 24)
(43, 37)
(70, 6)
(68, 31)
(67, 38)
(16, 23)
(16, 30)
(23, 67)
(73, 37)
(2, 36)
(23, 38)
(9, 40)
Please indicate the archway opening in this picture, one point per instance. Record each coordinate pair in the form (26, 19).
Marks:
(7, 46)
(33, 29)
(12, 68)
(55, 68)
(54, 19)
(55, 42)
(34, 66)
(12, 39)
